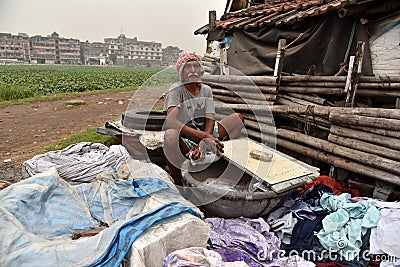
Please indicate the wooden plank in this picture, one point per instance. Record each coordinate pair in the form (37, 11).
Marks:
(278, 170)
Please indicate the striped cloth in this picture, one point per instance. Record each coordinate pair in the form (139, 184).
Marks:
(79, 163)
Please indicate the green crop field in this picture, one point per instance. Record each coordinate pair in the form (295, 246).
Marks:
(25, 81)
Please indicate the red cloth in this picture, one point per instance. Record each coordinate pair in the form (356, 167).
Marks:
(184, 57)
(332, 183)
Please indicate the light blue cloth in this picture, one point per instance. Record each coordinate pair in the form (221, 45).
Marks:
(344, 227)
(39, 214)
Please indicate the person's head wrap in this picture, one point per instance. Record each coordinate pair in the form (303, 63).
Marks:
(184, 57)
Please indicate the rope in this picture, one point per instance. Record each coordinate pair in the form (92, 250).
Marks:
(353, 29)
(309, 120)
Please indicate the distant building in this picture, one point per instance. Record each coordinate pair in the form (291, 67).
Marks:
(54, 49)
(14, 48)
(67, 49)
(170, 55)
(94, 53)
(43, 50)
(125, 51)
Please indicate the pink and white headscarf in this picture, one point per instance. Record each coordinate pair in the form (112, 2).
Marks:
(184, 57)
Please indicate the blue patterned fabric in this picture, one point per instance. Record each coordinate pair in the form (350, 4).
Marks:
(111, 201)
(39, 214)
(131, 230)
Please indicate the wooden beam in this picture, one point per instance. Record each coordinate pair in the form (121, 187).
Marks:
(357, 120)
(280, 53)
(365, 146)
(355, 155)
(389, 142)
(355, 74)
(212, 22)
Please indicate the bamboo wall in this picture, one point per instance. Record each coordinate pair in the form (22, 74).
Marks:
(312, 122)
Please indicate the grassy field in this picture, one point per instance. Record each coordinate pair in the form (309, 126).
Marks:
(30, 81)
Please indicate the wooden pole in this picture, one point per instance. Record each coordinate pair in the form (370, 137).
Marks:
(373, 138)
(365, 146)
(356, 120)
(349, 74)
(262, 119)
(378, 93)
(369, 112)
(224, 59)
(261, 127)
(355, 75)
(359, 156)
(319, 123)
(231, 99)
(337, 91)
(380, 79)
(212, 21)
(384, 132)
(247, 80)
(340, 79)
(244, 95)
(340, 162)
(261, 137)
(323, 111)
(382, 86)
(243, 88)
(313, 99)
(297, 100)
(287, 102)
(321, 84)
(280, 53)
(311, 90)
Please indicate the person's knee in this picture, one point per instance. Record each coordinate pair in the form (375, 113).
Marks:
(241, 117)
(171, 137)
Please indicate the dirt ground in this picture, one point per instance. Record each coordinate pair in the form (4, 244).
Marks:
(25, 129)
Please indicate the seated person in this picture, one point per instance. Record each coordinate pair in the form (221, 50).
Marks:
(190, 120)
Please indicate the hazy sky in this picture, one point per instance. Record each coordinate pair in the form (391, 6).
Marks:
(170, 22)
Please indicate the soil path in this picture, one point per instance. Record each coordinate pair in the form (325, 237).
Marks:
(25, 129)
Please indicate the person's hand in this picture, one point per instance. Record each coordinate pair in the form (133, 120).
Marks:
(212, 143)
(195, 153)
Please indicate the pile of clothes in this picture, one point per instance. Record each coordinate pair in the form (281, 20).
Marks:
(145, 221)
(325, 225)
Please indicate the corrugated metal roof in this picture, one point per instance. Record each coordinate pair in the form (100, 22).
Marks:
(278, 13)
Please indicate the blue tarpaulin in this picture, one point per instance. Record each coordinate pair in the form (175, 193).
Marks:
(39, 214)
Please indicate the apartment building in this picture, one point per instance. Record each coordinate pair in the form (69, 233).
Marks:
(170, 55)
(43, 50)
(94, 53)
(125, 51)
(51, 49)
(67, 49)
(54, 49)
(14, 48)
